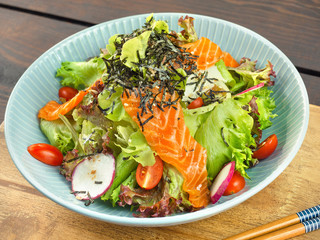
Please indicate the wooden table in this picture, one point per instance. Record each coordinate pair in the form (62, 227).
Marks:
(28, 28)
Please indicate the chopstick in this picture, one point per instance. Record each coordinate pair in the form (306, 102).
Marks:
(302, 222)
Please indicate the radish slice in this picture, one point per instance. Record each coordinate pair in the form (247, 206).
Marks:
(260, 85)
(220, 183)
(92, 177)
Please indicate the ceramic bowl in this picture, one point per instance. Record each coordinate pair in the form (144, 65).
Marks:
(38, 85)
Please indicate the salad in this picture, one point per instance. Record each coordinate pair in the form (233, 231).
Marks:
(161, 121)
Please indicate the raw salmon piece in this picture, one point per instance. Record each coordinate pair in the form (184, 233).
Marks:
(209, 53)
(229, 60)
(168, 136)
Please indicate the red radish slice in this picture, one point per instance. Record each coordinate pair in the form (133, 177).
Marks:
(260, 85)
(92, 177)
(220, 183)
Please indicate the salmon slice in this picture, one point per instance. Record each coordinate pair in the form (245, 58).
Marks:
(209, 53)
(167, 135)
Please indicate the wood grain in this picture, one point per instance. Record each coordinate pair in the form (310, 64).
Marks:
(25, 37)
(312, 84)
(27, 214)
(292, 25)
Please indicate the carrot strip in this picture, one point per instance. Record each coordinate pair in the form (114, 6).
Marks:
(53, 109)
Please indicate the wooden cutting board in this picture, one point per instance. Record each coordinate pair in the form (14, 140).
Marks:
(27, 214)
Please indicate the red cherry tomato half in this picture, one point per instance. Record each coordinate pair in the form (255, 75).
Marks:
(266, 148)
(67, 93)
(198, 102)
(46, 153)
(236, 183)
(149, 176)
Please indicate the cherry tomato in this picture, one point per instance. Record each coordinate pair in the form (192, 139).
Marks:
(198, 102)
(46, 153)
(149, 176)
(236, 183)
(266, 148)
(67, 93)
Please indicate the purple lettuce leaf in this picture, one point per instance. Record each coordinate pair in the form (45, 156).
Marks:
(165, 199)
(187, 35)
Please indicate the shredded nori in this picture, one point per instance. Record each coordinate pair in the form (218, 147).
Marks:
(154, 74)
(80, 157)
(89, 201)
(77, 192)
(148, 119)
(224, 140)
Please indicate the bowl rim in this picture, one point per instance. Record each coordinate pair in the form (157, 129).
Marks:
(174, 219)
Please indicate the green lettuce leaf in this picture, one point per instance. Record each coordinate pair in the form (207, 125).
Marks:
(229, 80)
(126, 136)
(91, 137)
(248, 76)
(111, 105)
(130, 182)
(226, 134)
(159, 25)
(81, 75)
(265, 102)
(193, 118)
(134, 145)
(111, 47)
(124, 169)
(135, 49)
(175, 182)
(58, 134)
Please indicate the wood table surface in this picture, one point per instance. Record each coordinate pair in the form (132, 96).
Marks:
(29, 28)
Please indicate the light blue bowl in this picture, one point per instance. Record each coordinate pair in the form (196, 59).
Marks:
(38, 85)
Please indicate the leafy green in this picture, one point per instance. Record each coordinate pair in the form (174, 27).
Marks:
(111, 104)
(124, 171)
(111, 47)
(246, 74)
(135, 49)
(74, 133)
(89, 110)
(197, 84)
(81, 75)
(175, 182)
(130, 182)
(70, 161)
(159, 26)
(126, 135)
(226, 134)
(134, 145)
(91, 137)
(58, 134)
(193, 118)
(265, 103)
(165, 199)
(229, 80)
(188, 34)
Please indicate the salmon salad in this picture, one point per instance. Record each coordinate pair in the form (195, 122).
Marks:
(160, 121)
